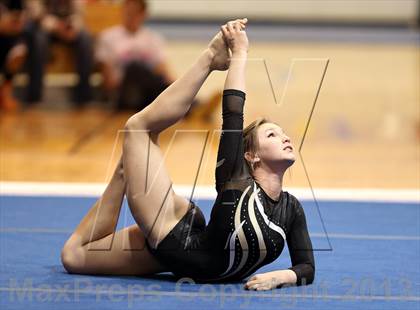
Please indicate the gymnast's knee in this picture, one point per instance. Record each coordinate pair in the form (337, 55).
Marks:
(136, 122)
(72, 259)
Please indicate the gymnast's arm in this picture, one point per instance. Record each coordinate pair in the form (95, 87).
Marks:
(230, 158)
(231, 151)
(300, 247)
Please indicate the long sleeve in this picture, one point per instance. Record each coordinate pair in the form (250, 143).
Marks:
(300, 248)
(230, 157)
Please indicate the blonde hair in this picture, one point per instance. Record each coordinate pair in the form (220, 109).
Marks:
(250, 138)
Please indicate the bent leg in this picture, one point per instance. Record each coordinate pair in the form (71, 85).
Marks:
(128, 255)
(95, 247)
(102, 218)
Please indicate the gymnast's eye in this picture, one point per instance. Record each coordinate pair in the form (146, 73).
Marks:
(271, 134)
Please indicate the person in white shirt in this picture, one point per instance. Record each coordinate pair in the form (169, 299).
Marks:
(134, 64)
(132, 59)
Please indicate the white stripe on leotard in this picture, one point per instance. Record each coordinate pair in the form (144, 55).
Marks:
(241, 236)
(232, 247)
(220, 162)
(269, 223)
(254, 222)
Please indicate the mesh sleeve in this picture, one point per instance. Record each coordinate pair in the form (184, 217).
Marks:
(230, 156)
(300, 248)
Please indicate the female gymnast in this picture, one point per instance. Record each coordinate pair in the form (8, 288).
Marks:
(252, 217)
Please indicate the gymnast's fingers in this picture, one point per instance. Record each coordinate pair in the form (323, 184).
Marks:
(237, 26)
(225, 31)
(250, 284)
(243, 21)
(230, 28)
(239, 23)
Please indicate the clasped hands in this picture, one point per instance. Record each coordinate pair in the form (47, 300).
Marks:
(230, 42)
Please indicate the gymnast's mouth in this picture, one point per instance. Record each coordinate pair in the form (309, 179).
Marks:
(288, 147)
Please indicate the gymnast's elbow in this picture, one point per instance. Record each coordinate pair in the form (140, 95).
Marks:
(305, 273)
(308, 276)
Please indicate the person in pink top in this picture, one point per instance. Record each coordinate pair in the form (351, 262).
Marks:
(133, 62)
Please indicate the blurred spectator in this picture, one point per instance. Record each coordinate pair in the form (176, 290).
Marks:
(133, 61)
(12, 51)
(58, 21)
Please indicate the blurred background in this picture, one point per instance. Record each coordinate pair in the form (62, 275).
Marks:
(74, 71)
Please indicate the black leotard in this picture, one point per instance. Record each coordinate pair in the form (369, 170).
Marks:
(247, 229)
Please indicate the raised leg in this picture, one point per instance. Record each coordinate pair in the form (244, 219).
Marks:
(153, 203)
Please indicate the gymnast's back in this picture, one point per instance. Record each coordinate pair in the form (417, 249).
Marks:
(247, 229)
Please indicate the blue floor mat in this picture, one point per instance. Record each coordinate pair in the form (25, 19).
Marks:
(373, 262)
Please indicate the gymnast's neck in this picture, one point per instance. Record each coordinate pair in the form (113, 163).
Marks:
(271, 180)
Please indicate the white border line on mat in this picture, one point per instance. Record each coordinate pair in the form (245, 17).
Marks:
(209, 192)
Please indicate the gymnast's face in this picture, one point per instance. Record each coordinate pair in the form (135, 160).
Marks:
(274, 146)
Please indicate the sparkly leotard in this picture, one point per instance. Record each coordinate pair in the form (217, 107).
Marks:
(247, 229)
